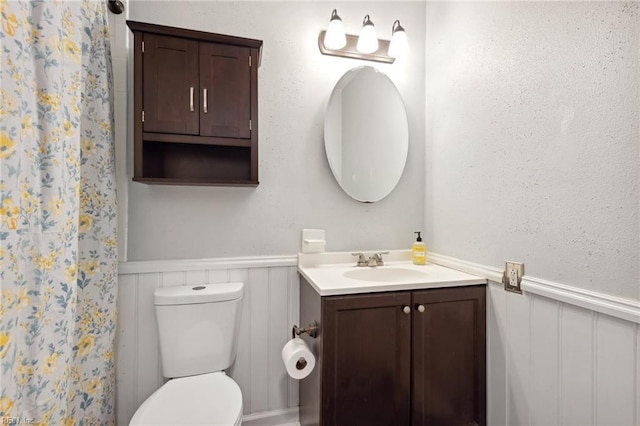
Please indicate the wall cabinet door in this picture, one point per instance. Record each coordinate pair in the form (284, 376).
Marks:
(196, 88)
(171, 95)
(448, 362)
(225, 82)
(366, 364)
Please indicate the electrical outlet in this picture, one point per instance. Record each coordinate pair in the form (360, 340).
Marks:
(512, 276)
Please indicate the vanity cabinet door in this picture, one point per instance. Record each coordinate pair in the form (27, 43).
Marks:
(448, 371)
(366, 359)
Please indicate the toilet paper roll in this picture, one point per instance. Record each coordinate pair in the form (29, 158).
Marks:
(297, 358)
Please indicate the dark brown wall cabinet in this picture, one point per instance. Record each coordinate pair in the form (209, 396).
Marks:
(195, 107)
(399, 358)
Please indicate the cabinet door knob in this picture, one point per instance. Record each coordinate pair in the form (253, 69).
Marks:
(406, 309)
(205, 105)
(191, 99)
(420, 308)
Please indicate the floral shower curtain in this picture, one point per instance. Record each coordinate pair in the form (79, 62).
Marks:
(58, 260)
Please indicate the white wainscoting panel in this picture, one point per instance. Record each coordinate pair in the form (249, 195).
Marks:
(555, 355)
(270, 308)
(555, 363)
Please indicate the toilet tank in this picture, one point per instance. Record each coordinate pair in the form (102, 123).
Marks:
(198, 327)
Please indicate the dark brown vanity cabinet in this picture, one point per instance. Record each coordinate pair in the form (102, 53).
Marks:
(398, 358)
(195, 107)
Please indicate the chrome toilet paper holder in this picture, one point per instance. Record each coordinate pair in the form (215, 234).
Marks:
(312, 330)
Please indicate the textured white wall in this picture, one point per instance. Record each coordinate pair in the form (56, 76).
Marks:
(297, 189)
(532, 149)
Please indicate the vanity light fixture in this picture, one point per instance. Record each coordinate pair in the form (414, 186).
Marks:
(367, 46)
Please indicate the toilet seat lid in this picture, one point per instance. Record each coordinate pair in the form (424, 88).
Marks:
(206, 399)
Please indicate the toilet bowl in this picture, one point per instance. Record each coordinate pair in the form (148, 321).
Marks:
(207, 399)
(198, 334)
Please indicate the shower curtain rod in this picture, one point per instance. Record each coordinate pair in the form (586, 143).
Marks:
(115, 6)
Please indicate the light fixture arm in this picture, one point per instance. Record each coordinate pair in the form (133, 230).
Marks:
(396, 27)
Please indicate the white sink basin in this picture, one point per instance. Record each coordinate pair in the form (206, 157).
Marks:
(386, 274)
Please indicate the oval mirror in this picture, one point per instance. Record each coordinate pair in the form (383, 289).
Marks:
(366, 134)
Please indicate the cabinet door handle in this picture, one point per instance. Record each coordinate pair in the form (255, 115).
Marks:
(205, 105)
(406, 309)
(420, 308)
(191, 99)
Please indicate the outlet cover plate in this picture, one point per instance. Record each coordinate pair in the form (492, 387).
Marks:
(512, 276)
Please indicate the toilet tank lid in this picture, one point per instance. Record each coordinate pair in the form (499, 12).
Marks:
(192, 294)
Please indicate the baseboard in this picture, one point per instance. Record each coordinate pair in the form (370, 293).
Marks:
(625, 309)
(272, 418)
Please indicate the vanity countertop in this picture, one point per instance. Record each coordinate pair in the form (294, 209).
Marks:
(331, 274)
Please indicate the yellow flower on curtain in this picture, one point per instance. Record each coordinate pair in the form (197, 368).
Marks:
(71, 49)
(9, 213)
(6, 407)
(25, 374)
(45, 263)
(92, 386)
(49, 100)
(84, 222)
(90, 267)
(67, 22)
(27, 126)
(69, 128)
(7, 146)
(69, 421)
(85, 345)
(88, 146)
(70, 272)
(7, 297)
(46, 419)
(10, 24)
(55, 205)
(23, 299)
(50, 363)
(5, 339)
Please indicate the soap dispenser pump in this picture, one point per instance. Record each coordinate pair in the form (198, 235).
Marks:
(419, 251)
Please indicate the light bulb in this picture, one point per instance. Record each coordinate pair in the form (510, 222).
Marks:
(335, 38)
(368, 40)
(399, 45)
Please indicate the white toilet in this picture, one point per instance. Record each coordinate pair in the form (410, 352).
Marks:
(198, 330)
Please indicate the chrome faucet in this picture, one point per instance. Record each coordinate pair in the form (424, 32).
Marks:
(375, 260)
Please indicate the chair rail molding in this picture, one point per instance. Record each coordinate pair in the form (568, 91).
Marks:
(625, 309)
(174, 265)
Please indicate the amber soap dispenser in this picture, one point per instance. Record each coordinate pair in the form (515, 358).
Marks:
(419, 251)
